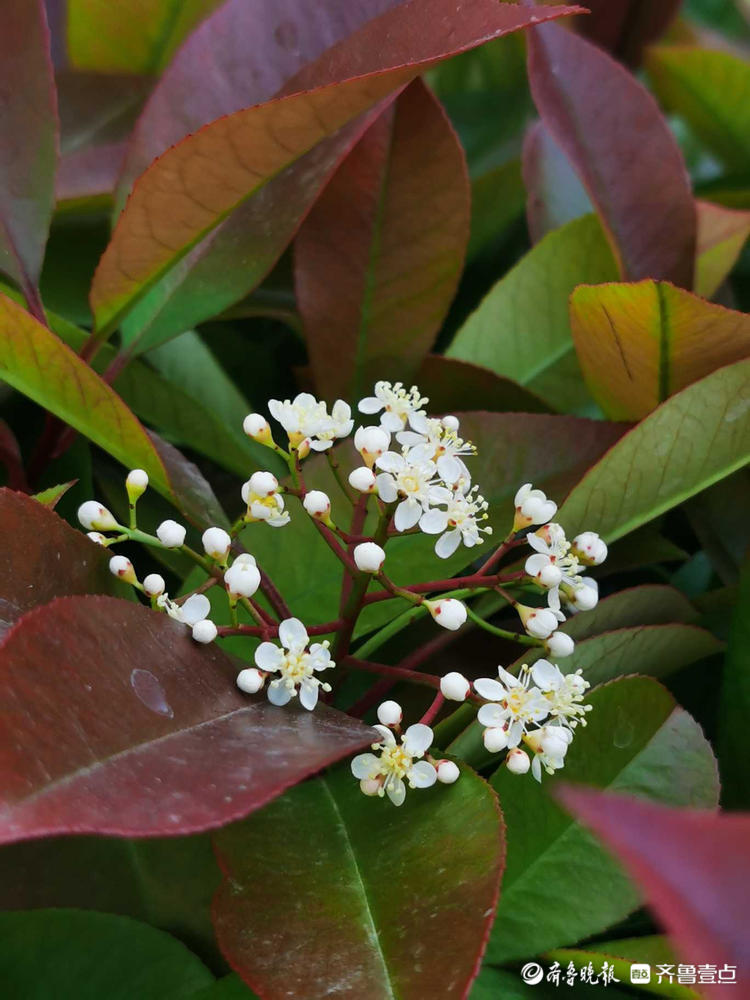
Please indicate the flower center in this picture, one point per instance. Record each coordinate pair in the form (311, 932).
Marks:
(396, 761)
(296, 668)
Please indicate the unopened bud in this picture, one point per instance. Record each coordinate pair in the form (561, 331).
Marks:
(389, 713)
(318, 505)
(257, 427)
(454, 686)
(216, 543)
(135, 484)
(121, 566)
(154, 585)
(94, 517)
(97, 536)
(171, 534)
(560, 645)
(495, 739)
(538, 622)
(369, 557)
(250, 680)
(262, 484)
(371, 442)
(589, 548)
(517, 761)
(205, 631)
(447, 772)
(362, 479)
(448, 612)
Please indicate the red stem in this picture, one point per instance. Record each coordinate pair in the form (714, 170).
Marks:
(437, 703)
(454, 583)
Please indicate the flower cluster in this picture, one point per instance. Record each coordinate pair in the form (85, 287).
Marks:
(415, 478)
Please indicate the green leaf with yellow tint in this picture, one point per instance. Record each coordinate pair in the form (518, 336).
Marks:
(722, 233)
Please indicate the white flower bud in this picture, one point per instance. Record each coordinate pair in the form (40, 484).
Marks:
(216, 543)
(205, 631)
(454, 686)
(262, 484)
(242, 579)
(450, 423)
(560, 645)
(257, 427)
(97, 536)
(154, 585)
(448, 612)
(171, 534)
(389, 713)
(94, 517)
(590, 549)
(517, 761)
(538, 622)
(550, 576)
(136, 483)
(371, 442)
(532, 507)
(495, 739)
(586, 596)
(317, 504)
(122, 567)
(447, 772)
(369, 557)
(362, 479)
(250, 680)
(370, 786)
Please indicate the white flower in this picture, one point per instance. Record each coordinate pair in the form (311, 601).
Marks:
(362, 479)
(94, 517)
(448, 612)
(123, 568)
(539, 622)
(447, 772)
(515, 703)
(398, 404)
(553, 562)
(532, 507)
(257, 427)
(296, 665)
(517, 761)
(205, 631)
(338, 425)
(550, 745)
(414, 482)
(389, 713)
(317, 504)
(136, 483)
(171, 534)
(440, 442)
(369, 557)
(454, 686)
(195, 608)
(250, 680)
(590, 548)
(460, 522)
(559, 645)
(154, 585)
(583, 595)
(564, 693)
(303, 417)
(396, 762)
(216, 543)
(242, 579)
(371, 442)
(263, 502)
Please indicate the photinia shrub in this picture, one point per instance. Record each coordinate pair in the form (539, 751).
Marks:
(374, 581)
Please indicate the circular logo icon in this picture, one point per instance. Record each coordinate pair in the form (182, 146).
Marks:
(532, 973)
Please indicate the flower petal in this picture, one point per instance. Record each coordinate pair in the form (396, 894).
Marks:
(407, 515)
(391, 422)
(308, 694)
(293, 635)
(492, 716)
(268, 656)
(433, 521)
(390, 461)
(370, 404)
(386, 486)
(365, 765)
(417, 739)
(447, 544)
(387, 736)
(395, 789)
(546, 675)
(278, 693)
(490, 689)
(195, 609)
(422, 775)
(536, 563)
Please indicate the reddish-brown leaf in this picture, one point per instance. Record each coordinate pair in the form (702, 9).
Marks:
(625, 27)
(378, 259)
(28, 152)
(693, 866)
(555, 195)
(195, 185)
(116, 722)
(42, 557)
(452, 385)
(612, 131)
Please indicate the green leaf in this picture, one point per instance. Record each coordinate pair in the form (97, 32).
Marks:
(100, 39)
(560, 885)
(72, 953)
(52, 496)
(733, 747)
(521, 329)
(620, 966)
(640, 343)
(710, 89)
(498, 984)
(649, 604)
(696, 438)
(722, 233)
(497, 200)
(38, 364)
(350, 892)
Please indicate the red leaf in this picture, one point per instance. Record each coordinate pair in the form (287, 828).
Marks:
(452, 385)
(28, 153)
(177, 202)
(693, 866)
(625, 27)
(612, 131)
(42, 557)
(116, 722)
(378, 260)
(554, 193)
